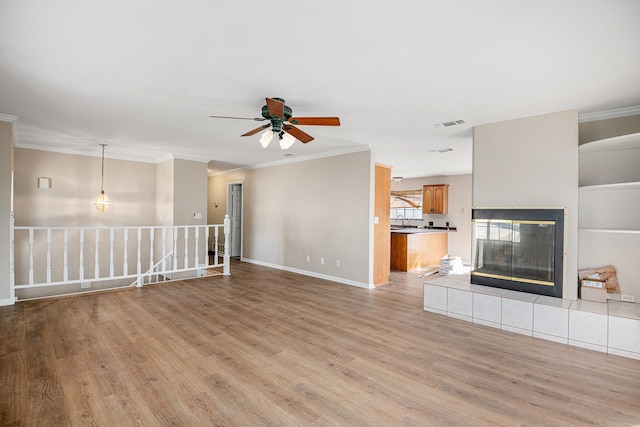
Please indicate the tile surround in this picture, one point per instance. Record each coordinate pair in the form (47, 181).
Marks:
(612, 327)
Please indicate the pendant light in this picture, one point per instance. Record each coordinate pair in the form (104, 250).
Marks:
(102, 202)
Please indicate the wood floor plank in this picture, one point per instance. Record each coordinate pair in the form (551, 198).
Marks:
(269, 347)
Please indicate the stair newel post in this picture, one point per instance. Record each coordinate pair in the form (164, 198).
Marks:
(227, 246)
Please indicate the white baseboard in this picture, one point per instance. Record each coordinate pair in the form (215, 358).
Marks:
(7, 301)
(309, 273)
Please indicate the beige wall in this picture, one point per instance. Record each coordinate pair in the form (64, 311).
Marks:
(319, 208)
(164, 193)
(75, 184)
(190, 192)
(6, 170)
(532, 162)
(459, 214)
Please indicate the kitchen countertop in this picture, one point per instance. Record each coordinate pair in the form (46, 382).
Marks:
(414, 230)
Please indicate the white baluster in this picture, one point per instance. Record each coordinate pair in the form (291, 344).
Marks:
(111, 240)
(48, 255)
(31, 256)
(164, 250)
(97, 257)
(175, 248)
(81, 269)
(125, 264)
(206, 243)
(151, 239)
(197, 235)
(65, 256)
(186, 248)
(139, 261)
(215, 245)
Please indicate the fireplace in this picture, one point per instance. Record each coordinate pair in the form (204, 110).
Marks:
(519, 249)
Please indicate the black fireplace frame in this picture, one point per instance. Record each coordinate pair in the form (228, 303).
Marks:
(527, 214)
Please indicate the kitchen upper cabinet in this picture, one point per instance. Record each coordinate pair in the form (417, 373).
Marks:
(435, 199)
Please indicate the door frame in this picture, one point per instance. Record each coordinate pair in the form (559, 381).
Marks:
(230, 204)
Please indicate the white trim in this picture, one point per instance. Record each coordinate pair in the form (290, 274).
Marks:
(7, 301)
(133, 157)
(310, 273)
(301, 159)
(609, 114)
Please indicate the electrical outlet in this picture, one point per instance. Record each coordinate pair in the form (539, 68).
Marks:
(85, 285)
(338, 263)
(197, 215)
(627, 298)
(308, 258)
(321, 260)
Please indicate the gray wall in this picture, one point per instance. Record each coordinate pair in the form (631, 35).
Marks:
(321, 208)
(532, 162)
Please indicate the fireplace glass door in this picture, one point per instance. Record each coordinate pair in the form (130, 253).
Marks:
(514, 249)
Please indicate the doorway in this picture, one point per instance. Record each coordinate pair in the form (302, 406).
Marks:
(234, 210)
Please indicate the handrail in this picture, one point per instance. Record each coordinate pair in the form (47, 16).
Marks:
(149, 272)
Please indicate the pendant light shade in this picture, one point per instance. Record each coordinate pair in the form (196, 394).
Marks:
(101, 201)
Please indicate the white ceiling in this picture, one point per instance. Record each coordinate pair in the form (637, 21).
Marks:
(143, 76)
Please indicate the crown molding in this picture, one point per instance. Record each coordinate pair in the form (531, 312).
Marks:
(609, 114)
(296, 159)
(8, 118)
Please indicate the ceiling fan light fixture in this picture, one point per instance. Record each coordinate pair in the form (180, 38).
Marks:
(286, 140)
(266, 138)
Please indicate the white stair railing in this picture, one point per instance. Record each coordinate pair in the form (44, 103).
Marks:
(54, 256)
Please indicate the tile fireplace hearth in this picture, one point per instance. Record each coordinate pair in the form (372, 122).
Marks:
(612, 327)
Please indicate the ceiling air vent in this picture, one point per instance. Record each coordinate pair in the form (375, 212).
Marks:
(452, 123)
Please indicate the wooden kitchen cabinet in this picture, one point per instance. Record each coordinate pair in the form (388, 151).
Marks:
(416, 251)
(435, 199)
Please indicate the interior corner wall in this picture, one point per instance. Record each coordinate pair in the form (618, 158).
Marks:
(6, 172)
(216, 199)
(190, 192)
(532, 162)
(164, 193)
(320, 208)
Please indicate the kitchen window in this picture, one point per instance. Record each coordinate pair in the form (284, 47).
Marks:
(407, 203)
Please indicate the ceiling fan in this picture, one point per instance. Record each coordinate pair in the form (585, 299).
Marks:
(281, 123)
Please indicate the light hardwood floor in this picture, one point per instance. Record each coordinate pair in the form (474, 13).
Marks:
(267, 347)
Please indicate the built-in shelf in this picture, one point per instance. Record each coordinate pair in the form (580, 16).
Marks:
(614, 186)
(610, 230)
(622, 142)
(609, 208)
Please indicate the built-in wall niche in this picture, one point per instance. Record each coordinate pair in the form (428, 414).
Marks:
(609, 208)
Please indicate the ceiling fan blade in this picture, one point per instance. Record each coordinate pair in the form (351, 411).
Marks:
(275, 107)
(297, 133)
(257, 119)
(316, 121)
(256, 130)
